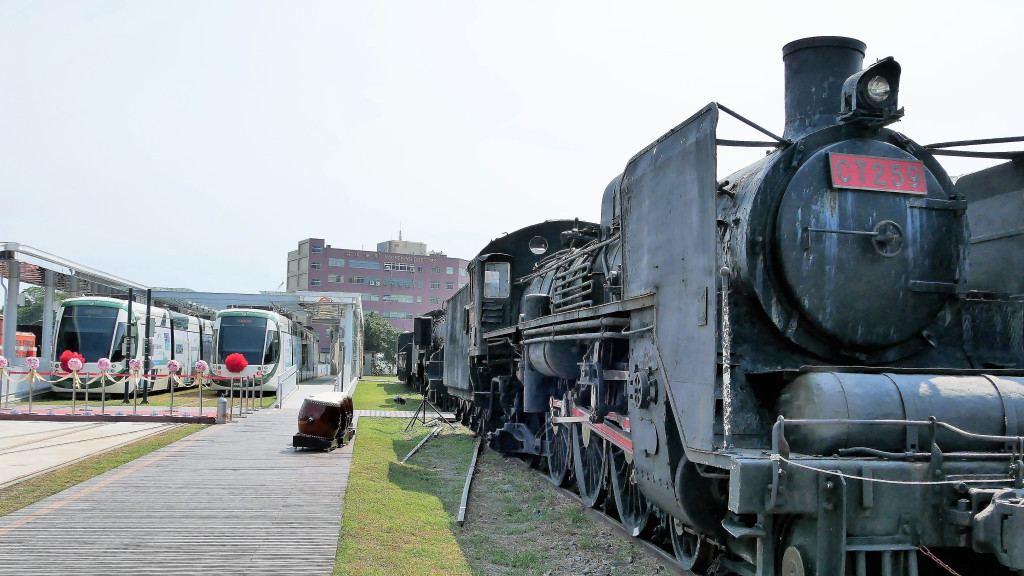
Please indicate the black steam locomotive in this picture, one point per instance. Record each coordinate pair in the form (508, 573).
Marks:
(813, 366)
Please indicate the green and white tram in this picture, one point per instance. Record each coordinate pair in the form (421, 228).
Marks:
(96, 328)
(274, 346)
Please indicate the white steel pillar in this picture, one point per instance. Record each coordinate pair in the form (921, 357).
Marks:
(346, 348)
(49, 280)
(11, 309)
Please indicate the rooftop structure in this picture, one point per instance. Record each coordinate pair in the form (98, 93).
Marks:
(399, 285)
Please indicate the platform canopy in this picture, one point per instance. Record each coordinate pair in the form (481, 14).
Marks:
(327, 308)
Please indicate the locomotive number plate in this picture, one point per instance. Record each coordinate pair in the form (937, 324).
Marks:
(881, 174)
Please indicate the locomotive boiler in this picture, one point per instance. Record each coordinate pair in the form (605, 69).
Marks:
(812, 366)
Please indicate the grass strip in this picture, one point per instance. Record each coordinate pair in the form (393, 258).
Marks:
(379, 394)
(400, 518)
(45, 485)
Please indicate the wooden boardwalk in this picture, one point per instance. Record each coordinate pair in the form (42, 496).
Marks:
(232, 499)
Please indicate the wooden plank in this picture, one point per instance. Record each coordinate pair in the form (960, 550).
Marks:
(469, 479)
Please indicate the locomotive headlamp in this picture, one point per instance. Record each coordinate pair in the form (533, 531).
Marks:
(878, 89)
(871, 95)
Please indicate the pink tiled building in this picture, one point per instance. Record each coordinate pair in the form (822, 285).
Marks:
(400, 280)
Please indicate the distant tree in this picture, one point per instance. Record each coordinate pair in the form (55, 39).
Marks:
(380, 338)
(379, 335)
(32, 311)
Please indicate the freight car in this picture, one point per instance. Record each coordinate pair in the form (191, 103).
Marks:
(786, 371)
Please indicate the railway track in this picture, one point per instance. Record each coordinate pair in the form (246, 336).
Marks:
(671, 565)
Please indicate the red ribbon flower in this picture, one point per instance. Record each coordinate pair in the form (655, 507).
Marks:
(235, 362)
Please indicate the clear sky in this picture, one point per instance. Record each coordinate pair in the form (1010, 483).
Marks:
(194, 143)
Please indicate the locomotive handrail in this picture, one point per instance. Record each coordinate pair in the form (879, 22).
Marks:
(779, 443)
(753, 125)
(609, 322)
(980, 141)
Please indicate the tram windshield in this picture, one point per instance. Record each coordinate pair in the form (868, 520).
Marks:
(245, 335)
(88, 330)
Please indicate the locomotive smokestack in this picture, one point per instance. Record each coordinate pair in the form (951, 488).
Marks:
(815, 71)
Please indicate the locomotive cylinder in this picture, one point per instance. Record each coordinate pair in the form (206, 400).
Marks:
(984, 405)
(816, 69)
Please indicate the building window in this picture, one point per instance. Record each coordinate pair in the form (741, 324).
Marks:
(435, 285)
(368, 264)
(435, 300)
(398, 282)
(449, 285)
(369, 297)
(399, 266)
(449, 270)
(435, 269)
(336, 278)
(419, 268)
(419, 284)
(367, 280)
(325, 350)
(316, 249)
(419, 299)
(398, 315)
(316, 265)
(462, 272)
(314, 281)
(403, 298)
(336, 262)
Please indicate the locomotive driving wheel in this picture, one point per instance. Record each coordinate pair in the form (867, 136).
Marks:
(634, 508)
(692, 551)
(559, 453)
(591, 464)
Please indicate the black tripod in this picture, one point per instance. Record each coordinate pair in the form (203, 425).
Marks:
(421, 414)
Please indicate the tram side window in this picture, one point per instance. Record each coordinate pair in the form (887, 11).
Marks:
(496, 280)
(273, 348)
(117, 352)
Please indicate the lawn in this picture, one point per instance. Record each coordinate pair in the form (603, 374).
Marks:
(43, 486)
(378, 393)
(400, 518)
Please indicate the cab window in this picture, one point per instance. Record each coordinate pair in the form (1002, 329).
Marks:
(496, 280)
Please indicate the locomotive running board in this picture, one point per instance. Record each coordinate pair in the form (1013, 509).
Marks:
(625, 305)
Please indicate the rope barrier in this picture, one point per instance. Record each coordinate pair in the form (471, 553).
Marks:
(780, 458)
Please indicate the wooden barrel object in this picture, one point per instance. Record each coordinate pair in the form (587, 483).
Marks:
(323, 420)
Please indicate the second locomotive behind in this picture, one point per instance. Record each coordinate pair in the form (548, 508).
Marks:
(788, 371)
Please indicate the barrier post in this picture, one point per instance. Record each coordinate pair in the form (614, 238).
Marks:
(74, 364)
(127, 350)
(242, 392)
(231, 397)
(260, 407)
(103, 394)
(5, 385)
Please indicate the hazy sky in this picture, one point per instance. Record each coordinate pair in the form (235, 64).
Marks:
(195, 143)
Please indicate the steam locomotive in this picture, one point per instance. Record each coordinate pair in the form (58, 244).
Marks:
(812, 366)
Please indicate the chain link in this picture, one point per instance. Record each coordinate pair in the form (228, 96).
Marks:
(929, 554)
